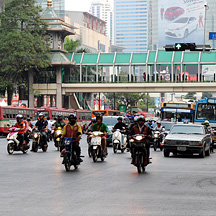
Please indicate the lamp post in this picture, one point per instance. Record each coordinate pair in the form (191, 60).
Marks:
(204, 40)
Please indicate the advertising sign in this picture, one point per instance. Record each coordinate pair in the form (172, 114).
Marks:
(180, 21)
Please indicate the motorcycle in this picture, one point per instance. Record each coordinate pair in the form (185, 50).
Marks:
(95, 146)
(13, 142)
(38, 143)
(58, 142)
(70, 157)
(139, 152)
(157, 140)
(117, 141)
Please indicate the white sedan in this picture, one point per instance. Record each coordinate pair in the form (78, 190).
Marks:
(181, 27)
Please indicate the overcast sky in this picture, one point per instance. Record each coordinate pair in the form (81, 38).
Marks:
(78, 5)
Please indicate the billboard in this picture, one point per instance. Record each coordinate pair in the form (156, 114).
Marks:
(180, 21)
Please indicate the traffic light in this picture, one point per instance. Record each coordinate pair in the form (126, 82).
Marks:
(181, 47)
(187, 46)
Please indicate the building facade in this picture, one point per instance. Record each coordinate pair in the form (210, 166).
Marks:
(164, 14)
(103, 10)
(90, 30)
(131, 25)
(58, 6)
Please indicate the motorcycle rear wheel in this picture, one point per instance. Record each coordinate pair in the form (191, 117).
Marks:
(10, 148)
(114, 148)
(44, 148)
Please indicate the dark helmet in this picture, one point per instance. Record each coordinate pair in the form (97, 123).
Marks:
(119, 118)
(19, 118)
(48, 118)
(72, 116)
(141, 118)
(99, 116)
(60, 116)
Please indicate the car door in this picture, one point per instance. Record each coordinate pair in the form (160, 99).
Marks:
(207, 138)
(190, 25)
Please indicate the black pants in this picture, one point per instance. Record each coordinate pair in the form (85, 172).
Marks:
(21, 138)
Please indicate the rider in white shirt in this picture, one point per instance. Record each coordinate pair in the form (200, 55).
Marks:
(159, 127)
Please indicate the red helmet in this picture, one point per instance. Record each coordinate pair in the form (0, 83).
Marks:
(185, 122)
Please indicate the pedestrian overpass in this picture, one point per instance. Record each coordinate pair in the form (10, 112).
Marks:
(90, 74)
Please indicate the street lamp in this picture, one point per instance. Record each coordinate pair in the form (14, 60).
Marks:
(206, 8)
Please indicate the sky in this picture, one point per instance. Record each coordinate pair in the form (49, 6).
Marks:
(77, 5)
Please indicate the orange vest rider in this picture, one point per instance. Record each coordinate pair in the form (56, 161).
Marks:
(71, 131)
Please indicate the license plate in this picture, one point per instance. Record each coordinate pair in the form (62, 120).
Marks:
(214, 138)
(180, 148)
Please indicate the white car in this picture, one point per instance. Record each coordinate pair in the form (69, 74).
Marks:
(181, 27)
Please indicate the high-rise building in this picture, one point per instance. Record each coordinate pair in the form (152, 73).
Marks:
(174, 21)
(103, 10)
(58, 6)
(131, 25)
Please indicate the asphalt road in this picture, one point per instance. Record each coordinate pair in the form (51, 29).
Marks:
(37, 184)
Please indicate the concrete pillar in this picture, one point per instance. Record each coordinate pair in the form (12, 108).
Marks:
(31, 92)
(59, 87)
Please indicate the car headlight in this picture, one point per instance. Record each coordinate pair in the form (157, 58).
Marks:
(138, 138)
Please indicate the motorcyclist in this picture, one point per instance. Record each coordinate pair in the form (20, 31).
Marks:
(159, 127)
(29, 122)
(100, 126)
(210, 131)
(59, 123)
(20, 124)
(121, 126)
(149, 124)
(93, 121)
(141, 128)
(42, 125)
(130, 117)
(72, 129)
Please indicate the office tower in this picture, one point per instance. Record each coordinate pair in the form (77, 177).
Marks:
(131, 25)
(103, 10)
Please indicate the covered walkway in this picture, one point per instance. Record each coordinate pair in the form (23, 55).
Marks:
(152, 61)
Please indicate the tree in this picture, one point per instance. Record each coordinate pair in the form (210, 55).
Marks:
(190, 95)
(127, 99)
(71, 45)
(206, 95)
(23, 42)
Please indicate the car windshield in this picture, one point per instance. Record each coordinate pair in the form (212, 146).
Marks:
(110, 121)
(189, 129)
(182, 20)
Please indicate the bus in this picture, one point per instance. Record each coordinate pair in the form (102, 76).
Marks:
(83, 116)
(105, 113)
(206, 110)
(8, 116)
(178, 111)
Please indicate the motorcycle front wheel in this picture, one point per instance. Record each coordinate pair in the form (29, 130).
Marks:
(115, 148)
(35, 146)
(67, 162)
(138, 164)
(155, 146)
(94, 155)
(10, 148)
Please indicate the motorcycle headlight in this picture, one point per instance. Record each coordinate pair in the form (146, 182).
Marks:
(138, 138)
(35, 135)
(58, 133)
(116, 135)
(155, 135)
(67, 143)
(131, 140)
